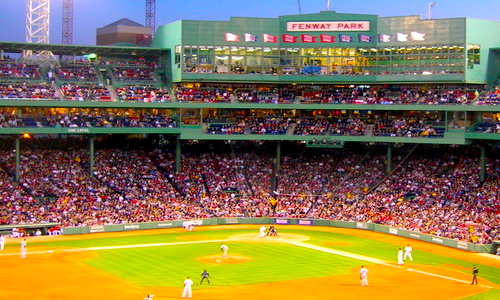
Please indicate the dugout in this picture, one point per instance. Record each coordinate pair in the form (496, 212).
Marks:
(496, 247)
(29, 229)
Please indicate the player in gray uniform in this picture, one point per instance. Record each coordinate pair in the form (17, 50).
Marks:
(474, 275)
(205, 275)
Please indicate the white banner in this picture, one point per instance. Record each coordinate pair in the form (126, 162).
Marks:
(328, 26)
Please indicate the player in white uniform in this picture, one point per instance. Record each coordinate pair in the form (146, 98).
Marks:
(263, 232)
(188, 225)
(408, 251)
(2, 242)
(400, 257)
(24, 248)
(187, 292)
(363, 276)
(224, 249)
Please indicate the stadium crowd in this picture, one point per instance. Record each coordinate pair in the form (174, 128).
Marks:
(75, 72)
(140, 76)
(432, 189)
(88, 118)
(490, 98)
(326, 94)
(355, 125)
(11, 69)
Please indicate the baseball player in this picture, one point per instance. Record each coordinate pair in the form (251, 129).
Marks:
(205, 275)
(408, 251)
(188, 226)
(363, 276)
(263, 232)
(272, 231)
(187, 292)
(400, 257)
(224, 249)
(24, 248)
(474, 274)
(2, 242)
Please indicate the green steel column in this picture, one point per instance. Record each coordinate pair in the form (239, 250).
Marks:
(17, 158)
(276, 167)
(91, 155)
(482, 164)
(446, 125)
(389, 158)
(178, 155)
(278, 155)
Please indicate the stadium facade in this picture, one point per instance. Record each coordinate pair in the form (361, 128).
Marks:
(325, 52)
(334, 47)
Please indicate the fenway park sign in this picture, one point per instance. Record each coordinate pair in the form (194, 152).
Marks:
(329, 26)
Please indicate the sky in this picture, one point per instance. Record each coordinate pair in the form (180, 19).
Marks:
(88, 15)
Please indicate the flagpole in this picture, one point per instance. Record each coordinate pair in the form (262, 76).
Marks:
(429, 11)
(327, 5)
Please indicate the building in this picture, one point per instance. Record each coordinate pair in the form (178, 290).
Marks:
(302, 68)
(123, 32)
(330, 47)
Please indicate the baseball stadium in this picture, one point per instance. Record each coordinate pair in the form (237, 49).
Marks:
(312, 148)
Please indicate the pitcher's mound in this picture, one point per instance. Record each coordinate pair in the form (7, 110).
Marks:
(230, 259)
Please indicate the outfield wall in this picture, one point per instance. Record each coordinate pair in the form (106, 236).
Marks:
(283, 221)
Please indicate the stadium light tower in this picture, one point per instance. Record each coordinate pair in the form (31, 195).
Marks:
(67, 22)
(151, 15)
(37, 21)
(37, 29)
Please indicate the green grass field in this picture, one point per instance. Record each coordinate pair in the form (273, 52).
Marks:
(163, 265)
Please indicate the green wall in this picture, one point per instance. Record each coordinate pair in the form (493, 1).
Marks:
(486, 34)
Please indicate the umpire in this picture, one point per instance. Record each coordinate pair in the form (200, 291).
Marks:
(205, 275)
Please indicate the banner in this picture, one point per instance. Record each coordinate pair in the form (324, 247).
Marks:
(325, 38)
(345, 38)
(306, 38)
(270, 38)
(231, 37)
(250, 37)
(289, 38)
(363, 38)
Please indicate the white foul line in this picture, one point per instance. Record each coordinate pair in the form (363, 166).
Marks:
(445, 277)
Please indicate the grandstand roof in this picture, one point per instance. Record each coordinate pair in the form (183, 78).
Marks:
(124, 22)
(10, 47)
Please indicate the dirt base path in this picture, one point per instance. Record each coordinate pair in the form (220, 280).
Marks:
(61, 274)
